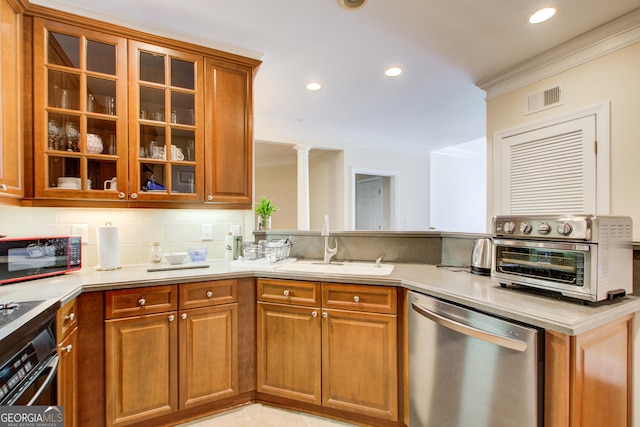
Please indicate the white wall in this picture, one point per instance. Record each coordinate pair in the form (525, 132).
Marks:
(610, 78)
(458, 188)
(176, 229)
(279, 184)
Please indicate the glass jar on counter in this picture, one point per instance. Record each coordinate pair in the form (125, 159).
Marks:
(156, 253)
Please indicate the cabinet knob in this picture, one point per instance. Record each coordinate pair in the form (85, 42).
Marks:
(286, 292)
(325, 314)
(134, 195)
(67, 348)
(121, 195)
(209, 294)
(209, 197)
(3, 187)
(172, 318)
(314, 314)
(142, 301)
(356, 298)
(70, 317)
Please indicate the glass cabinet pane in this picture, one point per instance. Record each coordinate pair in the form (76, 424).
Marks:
(63, 50)
(152, 142)
(183, 179)
(101, 57)
(182, 108)
(151, 104)
(101, 96)
(152, 177)
(152, 68)
(101, 137)
(182, 74)
(101, 174)
(63, 90)
(183, 141)
(64, 173)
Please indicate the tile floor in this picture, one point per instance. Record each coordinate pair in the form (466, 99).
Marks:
(263, 416)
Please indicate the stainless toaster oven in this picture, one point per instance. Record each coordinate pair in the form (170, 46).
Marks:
(579, 256)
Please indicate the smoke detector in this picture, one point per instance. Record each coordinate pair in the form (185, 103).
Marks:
(352, 4)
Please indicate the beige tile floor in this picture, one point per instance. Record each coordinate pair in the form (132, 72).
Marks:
(263, 416)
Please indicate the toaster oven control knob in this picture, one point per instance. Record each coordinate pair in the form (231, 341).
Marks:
(564, 229)
(509, 227)
(544, 228)
(525, 228)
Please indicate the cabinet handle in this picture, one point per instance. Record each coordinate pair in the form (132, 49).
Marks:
(142, 301)
(286, 292)
(356, 298)
(325, 314)
(67, 348)
(209, 197)
(122, 195)
(3, 187)
(209, 294)
(314, 314)
(183, 316)
(172, 318)
(70, 317)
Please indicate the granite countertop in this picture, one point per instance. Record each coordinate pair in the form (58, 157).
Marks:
(452, 284)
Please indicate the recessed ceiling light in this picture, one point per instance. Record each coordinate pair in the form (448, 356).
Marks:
(352, 4)
(542, 15)
(393, 71)
(314, 86)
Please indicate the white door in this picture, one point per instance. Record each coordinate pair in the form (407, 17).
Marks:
(369, 205)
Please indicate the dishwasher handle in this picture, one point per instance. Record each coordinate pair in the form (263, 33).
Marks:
(490, 337)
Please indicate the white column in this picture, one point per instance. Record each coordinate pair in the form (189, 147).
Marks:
(303, 186)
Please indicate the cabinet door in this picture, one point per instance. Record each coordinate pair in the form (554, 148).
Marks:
(208, 354)
(229, 133)
(11, 153)
(80, 127)
(165, 137)
(141, 368)
(289, 352)
(68, 377)
(359, 363)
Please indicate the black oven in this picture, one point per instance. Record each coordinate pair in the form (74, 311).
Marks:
(28, 358)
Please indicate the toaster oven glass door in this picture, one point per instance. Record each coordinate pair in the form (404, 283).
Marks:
(561, 265)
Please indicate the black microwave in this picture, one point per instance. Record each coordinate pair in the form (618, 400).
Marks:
(35, 257)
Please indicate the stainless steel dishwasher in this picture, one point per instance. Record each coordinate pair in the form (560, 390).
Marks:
(469, 369)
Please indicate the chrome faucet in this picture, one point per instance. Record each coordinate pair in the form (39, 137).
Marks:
(328, 252)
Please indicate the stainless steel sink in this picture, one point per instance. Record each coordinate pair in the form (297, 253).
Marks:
(348, 268)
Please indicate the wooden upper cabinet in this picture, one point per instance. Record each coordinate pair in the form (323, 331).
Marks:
(11, 151)
(229, 133)
(80, 105)
(165, 124)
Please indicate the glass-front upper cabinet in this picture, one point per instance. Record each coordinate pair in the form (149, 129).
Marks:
(166, 140)
(80, 114)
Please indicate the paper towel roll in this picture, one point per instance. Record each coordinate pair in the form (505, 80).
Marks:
(108, 248)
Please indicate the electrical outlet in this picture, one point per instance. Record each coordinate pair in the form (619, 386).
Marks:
(207, 232)
(81, 230)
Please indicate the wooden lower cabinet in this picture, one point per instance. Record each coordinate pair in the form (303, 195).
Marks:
(142, 367)
(67, 343)
(588, 377)
(344, 359)
(160, 363)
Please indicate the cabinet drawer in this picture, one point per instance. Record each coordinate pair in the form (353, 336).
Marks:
(205, 294)
(139, 301)
(289, 292)
(66, 319)
(374, 299)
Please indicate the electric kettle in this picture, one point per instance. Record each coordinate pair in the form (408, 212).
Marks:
(481, 257)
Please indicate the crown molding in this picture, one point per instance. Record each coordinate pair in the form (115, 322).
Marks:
(607, 38)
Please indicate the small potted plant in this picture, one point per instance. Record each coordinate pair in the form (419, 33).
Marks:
(264, 209)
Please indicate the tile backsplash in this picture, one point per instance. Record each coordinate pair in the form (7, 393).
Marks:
(176, 229)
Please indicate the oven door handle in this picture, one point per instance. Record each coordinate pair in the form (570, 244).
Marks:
(52, 366)
(563, 246)
(490, 337)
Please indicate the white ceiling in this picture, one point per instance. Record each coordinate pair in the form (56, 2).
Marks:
(444, 47)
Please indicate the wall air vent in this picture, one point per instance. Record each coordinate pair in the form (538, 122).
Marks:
(544, 99)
